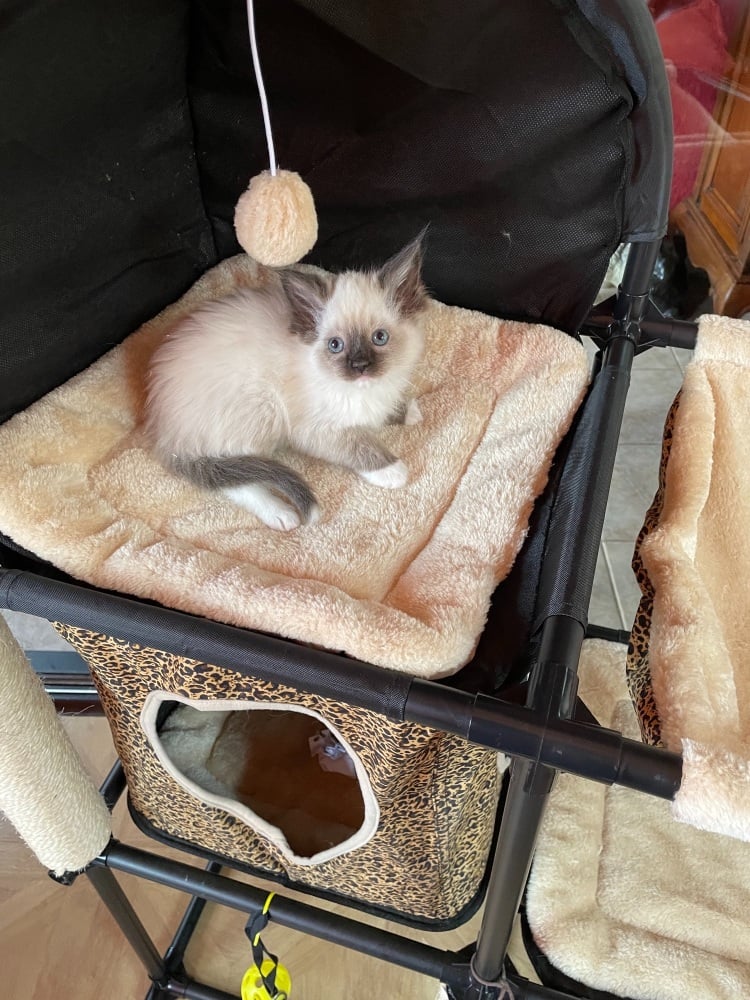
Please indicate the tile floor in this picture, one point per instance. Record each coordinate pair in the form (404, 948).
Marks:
(657, 376)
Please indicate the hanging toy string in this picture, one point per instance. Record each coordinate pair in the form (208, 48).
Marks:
(274, 220)
(261, 87)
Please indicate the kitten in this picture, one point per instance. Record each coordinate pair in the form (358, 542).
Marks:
(312, 362)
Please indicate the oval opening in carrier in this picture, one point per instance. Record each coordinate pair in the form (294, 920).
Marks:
(281, 769)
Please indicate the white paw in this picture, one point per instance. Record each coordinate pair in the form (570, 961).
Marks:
(390, 477)
(314, 516)
(270, 509)
(284, 519)
(413, 413)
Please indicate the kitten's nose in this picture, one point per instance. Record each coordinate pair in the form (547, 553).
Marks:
(359, 364)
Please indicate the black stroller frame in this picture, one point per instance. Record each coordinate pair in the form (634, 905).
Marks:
(549, 732)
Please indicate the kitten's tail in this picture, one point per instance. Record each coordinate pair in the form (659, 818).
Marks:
(225, 472)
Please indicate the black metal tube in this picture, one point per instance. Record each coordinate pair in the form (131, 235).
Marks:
(654, 332)
(486, 721)
(524, 989)
(681, 333)
(175, 953)
(113, 785)
(561, 641)
(588, 751)
(271, 658)
(638, 768)
(552, 695)
(639, 269)
(73, 694)
(441, 707)
(522, 816)
(394, 948)
(192, 990)
(118, 904)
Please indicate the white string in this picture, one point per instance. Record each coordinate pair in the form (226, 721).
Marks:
(261, 87)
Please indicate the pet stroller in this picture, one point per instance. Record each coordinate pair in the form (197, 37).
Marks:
(534, 139)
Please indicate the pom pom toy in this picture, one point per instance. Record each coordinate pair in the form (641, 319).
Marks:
(274, 220)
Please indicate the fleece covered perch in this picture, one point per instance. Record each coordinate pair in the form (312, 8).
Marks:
(698, 561)
(44, 790)
(621, 897)
(400, 578)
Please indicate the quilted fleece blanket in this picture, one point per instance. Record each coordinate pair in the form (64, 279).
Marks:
(400, 578)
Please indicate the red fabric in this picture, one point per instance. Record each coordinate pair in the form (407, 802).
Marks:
(694, 44)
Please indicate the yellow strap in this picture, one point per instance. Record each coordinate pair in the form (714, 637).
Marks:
(266, 907)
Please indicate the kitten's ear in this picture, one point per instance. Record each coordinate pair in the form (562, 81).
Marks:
(307, 295)
(401, 277)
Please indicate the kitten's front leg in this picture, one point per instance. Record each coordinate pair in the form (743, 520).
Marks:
(408, 413)
(358, 449)
(413, 413)
(389, 477)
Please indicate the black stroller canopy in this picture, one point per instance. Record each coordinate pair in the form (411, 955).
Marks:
(508, 56)
(504, 127)
(130, 131)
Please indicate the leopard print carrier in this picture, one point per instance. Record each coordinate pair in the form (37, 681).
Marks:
(638, 673)
(411, 825)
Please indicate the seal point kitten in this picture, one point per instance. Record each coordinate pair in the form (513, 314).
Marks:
(313, 362)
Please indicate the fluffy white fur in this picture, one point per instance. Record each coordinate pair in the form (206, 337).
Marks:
(254, 373)
(269, 508)
(231, 379)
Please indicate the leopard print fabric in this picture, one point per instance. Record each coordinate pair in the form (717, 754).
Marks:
(437, 794)
(638, 673)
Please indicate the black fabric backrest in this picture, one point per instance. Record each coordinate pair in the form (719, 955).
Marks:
(102, 219)
(129, 131)
(627, 29)
(504, 126)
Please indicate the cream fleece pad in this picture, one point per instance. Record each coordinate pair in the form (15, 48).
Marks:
(622, 897)
(400, 578)
(698, 560)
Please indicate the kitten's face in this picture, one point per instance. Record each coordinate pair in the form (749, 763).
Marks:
(362, 335)
(362, 326)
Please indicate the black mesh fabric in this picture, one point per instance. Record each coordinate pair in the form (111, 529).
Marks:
(628, 31)
(491, 122)
(102, 221)
(129, 131)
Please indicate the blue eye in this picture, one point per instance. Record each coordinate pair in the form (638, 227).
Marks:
(335, 345)
(380, 337)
